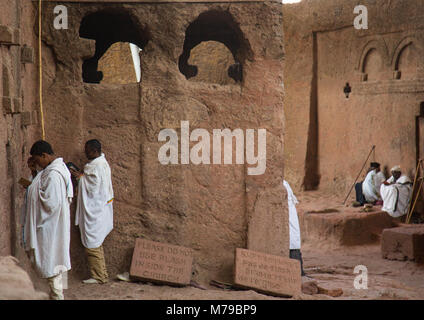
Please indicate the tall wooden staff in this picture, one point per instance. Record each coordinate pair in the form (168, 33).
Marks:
(372, 149)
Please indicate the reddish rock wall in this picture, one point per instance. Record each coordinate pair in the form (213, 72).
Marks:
(328, 137)
(18, 114)
(207, 207)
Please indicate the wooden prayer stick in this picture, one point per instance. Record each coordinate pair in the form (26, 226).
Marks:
(372, 149)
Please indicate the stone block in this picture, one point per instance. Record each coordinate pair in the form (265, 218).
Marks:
(6, 35)
(11, 105)
(267, 273)
(161, 262)
(17, 105)
(343, 228)
(26, 118)
(403, 243)
(7, 105)
(6, 81)
(27, 54)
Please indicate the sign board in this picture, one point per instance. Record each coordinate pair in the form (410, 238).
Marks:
(161, 262)
(267, 273)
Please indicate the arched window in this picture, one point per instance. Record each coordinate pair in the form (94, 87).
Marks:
(373, 65)
(109, 28)
(407, 62)
(217, 26)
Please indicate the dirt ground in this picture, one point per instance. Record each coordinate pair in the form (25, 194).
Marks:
(330, 267)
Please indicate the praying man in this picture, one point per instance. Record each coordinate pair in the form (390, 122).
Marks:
(396, 193)
(46, 231)
(94, 214)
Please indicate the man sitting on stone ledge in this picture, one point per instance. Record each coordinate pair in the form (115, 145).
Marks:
(372, 183)
(396, 193)
(368, 191)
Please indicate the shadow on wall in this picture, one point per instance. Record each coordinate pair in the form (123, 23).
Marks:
(312, 178)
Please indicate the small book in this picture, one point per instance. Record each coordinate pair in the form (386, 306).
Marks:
(24, 182)
(72, 166)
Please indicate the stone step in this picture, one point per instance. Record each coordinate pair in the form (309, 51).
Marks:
(403, 243)
(347, 227)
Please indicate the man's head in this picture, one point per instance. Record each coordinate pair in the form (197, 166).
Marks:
(375, 166)
(42, 153)
(93, 149)
(396, 172)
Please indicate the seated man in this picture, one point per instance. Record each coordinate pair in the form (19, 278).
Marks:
(372, 183)
(368, 191)
(396, 193)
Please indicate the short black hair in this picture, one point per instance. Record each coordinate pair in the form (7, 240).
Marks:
(94, 145)
(40, 147)
(375, 165)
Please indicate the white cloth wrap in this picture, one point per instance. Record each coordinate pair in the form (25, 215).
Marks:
(47, 219)
(371, 185)
(95, 203)
(294, 229)
(396, 197)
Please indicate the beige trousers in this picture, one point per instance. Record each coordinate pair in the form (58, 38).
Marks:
(56, 287)
(97, 264)
(55, 282)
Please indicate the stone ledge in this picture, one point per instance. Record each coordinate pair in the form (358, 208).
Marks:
(11, 105)
(344, 228)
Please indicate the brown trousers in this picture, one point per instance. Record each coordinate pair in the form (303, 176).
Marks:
(97, 264)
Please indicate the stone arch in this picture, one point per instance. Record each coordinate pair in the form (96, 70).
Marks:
(108, 27)
(220, 26)
(377, 46)
(406, 44)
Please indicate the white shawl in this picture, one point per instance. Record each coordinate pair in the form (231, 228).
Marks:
(396, 196)
(94, 207)
(47, 219)
(371, 185)
(294, 229)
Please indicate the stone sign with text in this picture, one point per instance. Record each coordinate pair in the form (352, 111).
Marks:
(267, 273)
(161, 262)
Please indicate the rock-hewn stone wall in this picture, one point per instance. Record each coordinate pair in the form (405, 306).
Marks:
(210, 208)
(18, 113)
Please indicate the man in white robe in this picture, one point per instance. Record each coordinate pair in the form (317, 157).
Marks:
(46, 235)
(94, 209)
(294, 228)
(372, 183)
(396, 193)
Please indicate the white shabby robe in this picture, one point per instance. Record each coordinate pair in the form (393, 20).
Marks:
(95, 203)
(371, 185)
(47, 219)
(294, 229)
(396, 197)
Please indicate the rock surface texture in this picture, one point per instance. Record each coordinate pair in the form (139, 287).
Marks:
(15, 283)
(210, 208)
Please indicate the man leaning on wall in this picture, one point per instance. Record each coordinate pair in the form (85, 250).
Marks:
(46, 226)
(94, 209)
